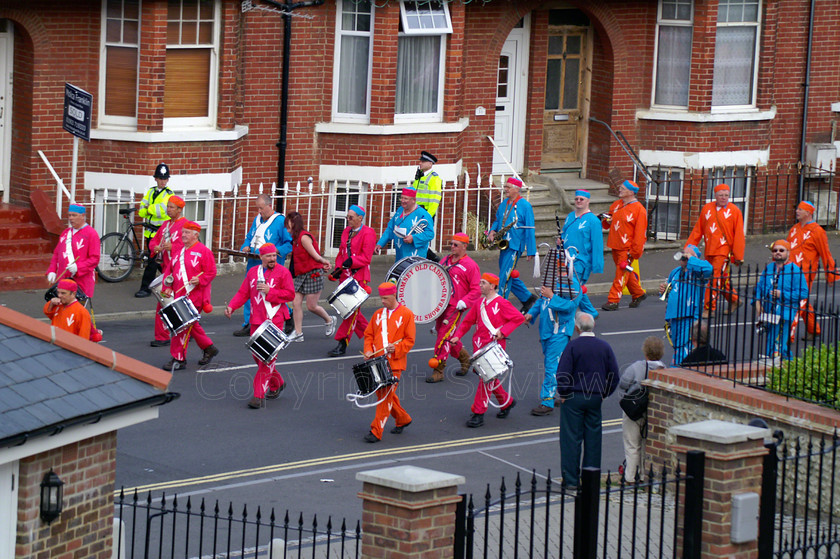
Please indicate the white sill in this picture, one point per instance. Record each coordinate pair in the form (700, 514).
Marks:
(197, 135)
(685, 116)
(392, 129)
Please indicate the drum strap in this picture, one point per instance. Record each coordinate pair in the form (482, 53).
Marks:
(259, 234)
(270, 309)
(382, 322)
(486, 319)
(182, 272)
(68, 245)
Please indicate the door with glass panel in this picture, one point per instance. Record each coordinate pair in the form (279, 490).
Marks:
(564, 125)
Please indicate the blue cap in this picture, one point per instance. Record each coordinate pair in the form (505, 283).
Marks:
(75, 208)
(357, 209)
(630, 185)
(584, 193)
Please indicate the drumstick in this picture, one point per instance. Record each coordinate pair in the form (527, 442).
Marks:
(185, 285)
(381, 349)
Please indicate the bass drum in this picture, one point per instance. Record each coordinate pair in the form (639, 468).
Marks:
(423, 286)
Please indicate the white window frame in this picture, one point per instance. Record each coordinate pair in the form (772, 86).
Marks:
(672, 174)
(339, 32)
(123, 122)
(663, 22)
(209, 121)
(442, 32)
(342, 188)
(756, 51)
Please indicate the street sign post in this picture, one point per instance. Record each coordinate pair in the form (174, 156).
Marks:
(77, 108)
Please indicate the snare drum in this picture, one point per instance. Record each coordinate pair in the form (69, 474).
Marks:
(491, 362)
(348, 297)
(179, 314)
(423, 286)
(267, 341)
(373, 374)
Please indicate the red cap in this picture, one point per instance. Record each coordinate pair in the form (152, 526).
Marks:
(515, 182)
(410, 192)
(461, 238)
(177, 200)
(387, 288)
(490, 278)
(68, 285)
(268, 248)
(192, 226)
(720, 187)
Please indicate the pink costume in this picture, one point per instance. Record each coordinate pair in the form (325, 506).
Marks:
(171, 231)
(465, 276)
(503, 316)
(361, 252)
(185, 265)
(84, 248)
(282, 291)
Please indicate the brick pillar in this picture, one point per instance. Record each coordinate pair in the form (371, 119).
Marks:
(408, 512)
(734, 454)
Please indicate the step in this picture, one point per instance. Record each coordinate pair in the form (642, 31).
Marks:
(11, 232)
(31, 263)
(25, 247)
(15, 281)
(15, 214)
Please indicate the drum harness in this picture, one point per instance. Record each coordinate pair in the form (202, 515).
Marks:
(493, 331)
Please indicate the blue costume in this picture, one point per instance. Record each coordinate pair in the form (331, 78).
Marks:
(557, 324)
(421, 227)
(522, 241)
(277, 234)
(778, 312)
(685, 302)
(583, 238)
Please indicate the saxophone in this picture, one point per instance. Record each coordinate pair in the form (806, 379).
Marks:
(499, 241)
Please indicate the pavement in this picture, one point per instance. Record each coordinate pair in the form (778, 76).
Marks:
(116, 301)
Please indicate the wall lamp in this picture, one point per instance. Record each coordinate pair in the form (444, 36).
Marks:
(52, 496)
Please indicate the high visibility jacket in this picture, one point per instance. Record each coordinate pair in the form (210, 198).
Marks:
(153, 208)
(429, 192)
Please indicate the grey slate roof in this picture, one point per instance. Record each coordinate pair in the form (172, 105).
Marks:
(42, 384)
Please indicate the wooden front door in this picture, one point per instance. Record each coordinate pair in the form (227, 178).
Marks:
(564, 115)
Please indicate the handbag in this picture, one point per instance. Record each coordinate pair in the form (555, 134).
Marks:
(634, 403)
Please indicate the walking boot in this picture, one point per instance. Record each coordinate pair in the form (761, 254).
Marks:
(338, 350)
(437, 374)
(209, 353)
(477, 420)
(464, 358)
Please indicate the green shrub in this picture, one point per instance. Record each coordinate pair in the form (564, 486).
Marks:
(814, 376)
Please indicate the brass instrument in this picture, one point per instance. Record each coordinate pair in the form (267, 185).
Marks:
(664, 296)
(498, 241)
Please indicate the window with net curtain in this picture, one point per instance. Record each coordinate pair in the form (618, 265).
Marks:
(423, 27)
(355, 32)
(121, 51)
(735, 53)
(673, 56)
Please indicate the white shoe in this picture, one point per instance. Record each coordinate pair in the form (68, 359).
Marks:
(296, 337)
(331, 326)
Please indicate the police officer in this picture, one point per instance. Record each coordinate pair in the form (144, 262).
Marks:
(153, 211)
(429, 187)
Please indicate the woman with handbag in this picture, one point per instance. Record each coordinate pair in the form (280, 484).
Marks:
(634, 400)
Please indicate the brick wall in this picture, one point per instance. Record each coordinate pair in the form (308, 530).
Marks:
(85, 526)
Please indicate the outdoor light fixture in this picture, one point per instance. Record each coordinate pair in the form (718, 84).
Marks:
(52, 493)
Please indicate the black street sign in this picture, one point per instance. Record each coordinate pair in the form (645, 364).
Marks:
(77, 107)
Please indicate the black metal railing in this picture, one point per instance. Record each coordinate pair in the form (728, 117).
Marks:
(800, 501)
(782, 357)
(159, 528)
(604, 518)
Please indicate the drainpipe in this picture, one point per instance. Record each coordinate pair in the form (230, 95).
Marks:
(806, 89)
(287, 10)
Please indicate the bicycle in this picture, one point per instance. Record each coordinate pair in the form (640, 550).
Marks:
(120, 250)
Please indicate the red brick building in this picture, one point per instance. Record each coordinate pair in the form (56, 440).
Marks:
(691, 84)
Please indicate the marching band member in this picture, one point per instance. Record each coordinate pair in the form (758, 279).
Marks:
(192, 270)
(778, 294)
(494, 318)
(466, 292)
(582, 234)
(685, 286)
(269, 287)
(721, 226)
(166, 242)
(627, 221)
(556, 310)
(809, 244)
(355, 252)
(517, 215)
(76, 255)
(268, 227)
(412, 229)
(391, 330)
(66, 313)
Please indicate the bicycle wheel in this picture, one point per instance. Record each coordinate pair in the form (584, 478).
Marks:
(117, 257)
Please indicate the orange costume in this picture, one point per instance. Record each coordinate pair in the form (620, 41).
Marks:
(809, 244)
(722, 229)
(398, 328)
(628, 228)
(73, 317)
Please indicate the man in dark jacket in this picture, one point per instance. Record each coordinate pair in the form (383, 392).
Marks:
(587, 373)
